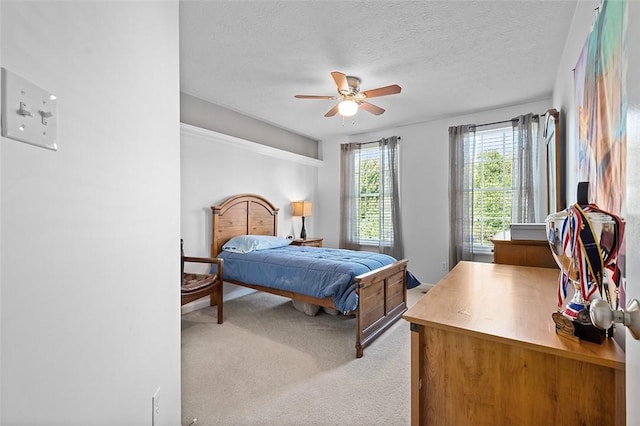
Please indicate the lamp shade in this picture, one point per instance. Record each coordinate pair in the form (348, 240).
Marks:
(302, 208)
(348, 108)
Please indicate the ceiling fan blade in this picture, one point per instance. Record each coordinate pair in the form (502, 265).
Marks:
(341, 81)
(315, 97)
(383, 91)
(373, 109)
(333, 111)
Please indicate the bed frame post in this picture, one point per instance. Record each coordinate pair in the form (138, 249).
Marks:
(215, 217)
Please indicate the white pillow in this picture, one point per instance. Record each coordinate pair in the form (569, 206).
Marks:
(248, 243)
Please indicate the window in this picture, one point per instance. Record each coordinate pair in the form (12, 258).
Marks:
(369, 197)
(367, 170)
(494, 180)
(492, 185)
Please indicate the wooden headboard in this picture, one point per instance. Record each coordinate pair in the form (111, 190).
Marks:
(244, 214)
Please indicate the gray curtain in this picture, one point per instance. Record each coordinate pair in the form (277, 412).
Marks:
(461, 152)
(524, 180)
(390, 233)
(390, 227)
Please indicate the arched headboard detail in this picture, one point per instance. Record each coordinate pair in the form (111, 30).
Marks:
(244, 214)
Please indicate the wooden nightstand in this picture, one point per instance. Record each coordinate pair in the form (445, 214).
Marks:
(308, 242)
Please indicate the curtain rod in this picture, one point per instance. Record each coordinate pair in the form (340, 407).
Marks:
(500, 122)
(495, 122)
(399, 138)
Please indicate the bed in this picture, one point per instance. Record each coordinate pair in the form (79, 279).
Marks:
(380, 294)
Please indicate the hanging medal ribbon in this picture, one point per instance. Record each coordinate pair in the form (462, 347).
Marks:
(611, 258)
(567, 246)
(590, 255)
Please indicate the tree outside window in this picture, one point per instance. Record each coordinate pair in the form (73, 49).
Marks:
(369, 203)
(492, 191)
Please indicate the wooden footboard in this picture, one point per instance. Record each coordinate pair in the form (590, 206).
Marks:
(382, 299)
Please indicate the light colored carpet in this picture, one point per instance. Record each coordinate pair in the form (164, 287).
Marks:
(269, 364)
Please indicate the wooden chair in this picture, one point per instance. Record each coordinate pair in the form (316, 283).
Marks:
(197, 286)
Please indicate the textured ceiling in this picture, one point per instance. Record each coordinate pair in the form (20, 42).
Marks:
(449, 57)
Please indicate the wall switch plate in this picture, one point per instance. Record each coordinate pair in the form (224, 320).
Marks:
(155, 408)
(29, 113)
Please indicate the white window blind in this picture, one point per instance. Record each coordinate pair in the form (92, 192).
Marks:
(374, 209)
(492, 185)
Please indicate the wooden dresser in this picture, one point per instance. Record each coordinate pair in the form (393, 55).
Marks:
(522, 252)
(484, 352)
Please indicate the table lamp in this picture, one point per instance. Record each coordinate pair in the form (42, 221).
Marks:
(302, 208)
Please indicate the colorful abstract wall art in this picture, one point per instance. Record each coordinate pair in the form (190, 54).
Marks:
(600, 77)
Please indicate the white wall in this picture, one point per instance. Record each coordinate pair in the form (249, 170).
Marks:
(90, 233)
(1, 316)
(424, 185)
(216, 166)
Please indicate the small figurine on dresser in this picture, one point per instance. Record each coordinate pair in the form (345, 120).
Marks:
(585, 241)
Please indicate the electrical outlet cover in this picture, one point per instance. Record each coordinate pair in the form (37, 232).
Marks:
(29, 113)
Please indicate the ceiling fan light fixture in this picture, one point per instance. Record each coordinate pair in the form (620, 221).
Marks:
(348, 108)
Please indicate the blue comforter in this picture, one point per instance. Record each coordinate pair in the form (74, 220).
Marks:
(317, 272)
